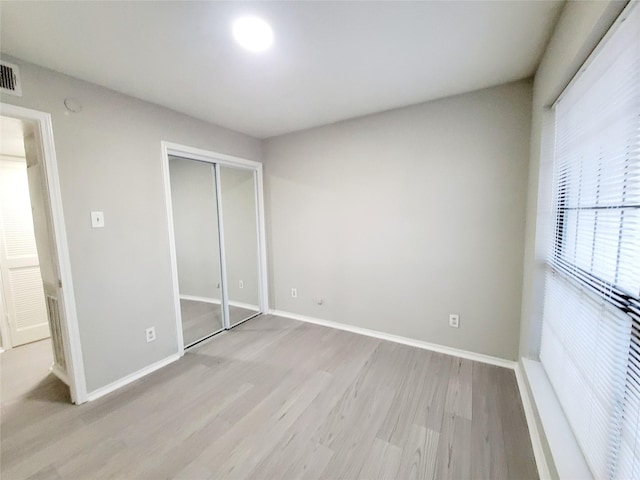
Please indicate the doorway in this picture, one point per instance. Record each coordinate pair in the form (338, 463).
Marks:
(214, 204)
(37, 314)
(25, 312)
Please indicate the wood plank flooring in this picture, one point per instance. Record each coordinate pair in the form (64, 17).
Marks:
(201, 319)
(278, 399)
(25, 371)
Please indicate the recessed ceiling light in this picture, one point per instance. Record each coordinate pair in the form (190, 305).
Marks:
(253, 33)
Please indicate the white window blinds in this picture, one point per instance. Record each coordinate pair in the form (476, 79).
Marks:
(590, 345)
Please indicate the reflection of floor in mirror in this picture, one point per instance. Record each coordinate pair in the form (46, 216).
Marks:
(237, 314)
(200, 319)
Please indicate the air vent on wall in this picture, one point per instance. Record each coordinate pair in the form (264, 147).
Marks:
(10, 79)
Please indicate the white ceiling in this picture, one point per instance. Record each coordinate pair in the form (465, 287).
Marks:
(330, 60)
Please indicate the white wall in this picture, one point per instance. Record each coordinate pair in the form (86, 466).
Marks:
(579, 29)
(109, 159)
(399, 218)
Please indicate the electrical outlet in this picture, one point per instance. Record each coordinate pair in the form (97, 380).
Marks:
(97, 219)
(454, 320)
(294, 293)
(151, 334)
(241, 284)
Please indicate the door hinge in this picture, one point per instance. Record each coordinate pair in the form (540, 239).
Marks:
(59, 283)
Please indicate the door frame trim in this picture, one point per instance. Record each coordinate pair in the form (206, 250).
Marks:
(223, 248)
(169, 148)
(69, 319)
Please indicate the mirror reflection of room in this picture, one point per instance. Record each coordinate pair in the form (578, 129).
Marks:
(195, 222)
(197, 228)
(241, 242)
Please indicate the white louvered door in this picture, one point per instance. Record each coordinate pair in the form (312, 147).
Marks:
(23, 291)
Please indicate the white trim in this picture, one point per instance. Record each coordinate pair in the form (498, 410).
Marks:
(166, 177)
(566, 458)
(226, 323)
(70, 328)
(196, 298)
(477, 357)
(262, 243)
(57, 371)
(596, 51)
(247, 306)
(216, 159)
(208, 156)
(534, 433)
(102, 391)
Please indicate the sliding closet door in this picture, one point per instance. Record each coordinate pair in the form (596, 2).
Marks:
(195, 224)
(240, 234)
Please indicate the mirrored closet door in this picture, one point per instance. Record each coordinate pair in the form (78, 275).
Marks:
(238, 197)
(217, 252)
(197, 248)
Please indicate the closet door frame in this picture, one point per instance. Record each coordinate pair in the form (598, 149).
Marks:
(217, 159)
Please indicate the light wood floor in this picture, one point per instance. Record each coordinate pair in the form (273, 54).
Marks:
(201, 319)
(276, 398)
(25, 373)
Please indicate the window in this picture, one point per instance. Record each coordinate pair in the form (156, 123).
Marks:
(590, 345)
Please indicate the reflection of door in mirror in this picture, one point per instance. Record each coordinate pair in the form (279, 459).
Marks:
(240, 242)
(195, 224)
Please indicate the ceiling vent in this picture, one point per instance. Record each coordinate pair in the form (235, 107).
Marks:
(10, 79)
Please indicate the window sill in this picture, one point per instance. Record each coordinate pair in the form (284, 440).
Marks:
(567, 459)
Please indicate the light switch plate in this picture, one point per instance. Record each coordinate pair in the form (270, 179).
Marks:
(97, 219)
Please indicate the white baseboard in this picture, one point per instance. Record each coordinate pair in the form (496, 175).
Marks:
(58, 372)
(477, 357)
(195, 298)
(247, 306)
(100, 392)
(534, 433)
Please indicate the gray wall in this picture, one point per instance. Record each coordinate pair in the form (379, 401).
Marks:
(399, 218)
(195, 225)
(579, 29)
(195, 222)
(109, 159)
(240, 233)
